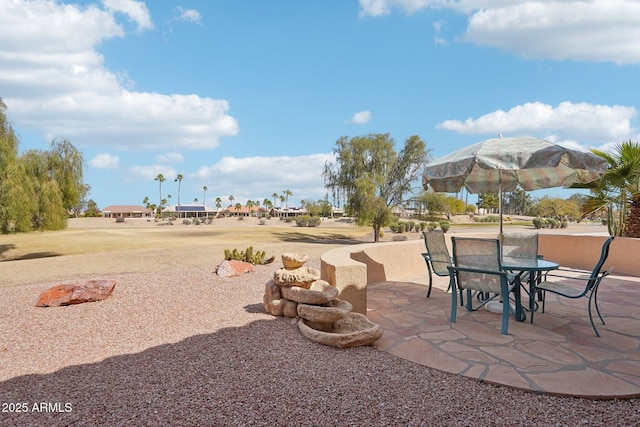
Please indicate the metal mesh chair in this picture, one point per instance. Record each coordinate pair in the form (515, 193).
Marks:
(520, 245)
(477, 268)
(588, 289)
(437, 256)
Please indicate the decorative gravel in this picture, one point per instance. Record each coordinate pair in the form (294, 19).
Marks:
(188, 348)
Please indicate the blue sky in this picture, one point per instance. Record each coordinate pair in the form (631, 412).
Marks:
(248, 97)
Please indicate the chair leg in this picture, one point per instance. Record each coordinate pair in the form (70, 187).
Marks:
(594, 293)
(454, 302)
(505, 316)
(591, 317)
(430, 284)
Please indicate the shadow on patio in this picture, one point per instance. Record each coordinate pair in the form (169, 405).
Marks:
(559, 354)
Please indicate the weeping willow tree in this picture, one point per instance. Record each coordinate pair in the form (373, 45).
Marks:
(39, 188)
(373, 177)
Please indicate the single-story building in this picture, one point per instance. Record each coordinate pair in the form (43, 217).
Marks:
(126, 211)
(243, 211)
(189, 211)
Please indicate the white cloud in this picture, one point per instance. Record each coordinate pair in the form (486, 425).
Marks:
(105, 161)
(150, 172)
(54, 81)
(584, 30)
(237, 176)
(136, 11)
(582, 121)
(361, 117)
(188, 15)
(170, 157)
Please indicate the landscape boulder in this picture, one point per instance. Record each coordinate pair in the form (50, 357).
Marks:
(291, 261)
(68, 294)
(303, 277)
(233, 268)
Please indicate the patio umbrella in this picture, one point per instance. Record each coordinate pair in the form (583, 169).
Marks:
(502, 164)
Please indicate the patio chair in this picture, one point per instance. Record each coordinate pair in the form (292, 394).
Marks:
(437, 256)
(477, 268)
(520, 245)
(589, 288)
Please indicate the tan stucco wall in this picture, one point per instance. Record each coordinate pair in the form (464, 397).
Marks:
(351, 268)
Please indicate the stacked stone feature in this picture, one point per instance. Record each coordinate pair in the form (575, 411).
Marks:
(297, 291)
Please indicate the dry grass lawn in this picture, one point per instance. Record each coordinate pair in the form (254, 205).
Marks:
(94, 246)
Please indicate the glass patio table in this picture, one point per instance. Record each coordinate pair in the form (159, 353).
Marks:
(535, 267)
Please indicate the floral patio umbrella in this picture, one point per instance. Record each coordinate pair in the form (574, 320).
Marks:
(502, 164)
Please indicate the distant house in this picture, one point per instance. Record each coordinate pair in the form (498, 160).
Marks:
(244, 211)
(189, 211)
(126, 211)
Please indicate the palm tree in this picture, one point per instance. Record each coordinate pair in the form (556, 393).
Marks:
(275, 196)
(238, 207)
(617, 187)
(250, 205)
(218, 202)
(179, 181)
(287, 193)
(160, 178)
(231, 199)
(169, 198)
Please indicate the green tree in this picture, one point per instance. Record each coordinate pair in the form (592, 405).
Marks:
(489, 201)
(617, 187)
(286, 194)
(92, 209)
(204, 196)
(275, 197)
(231, 199)
(250, 205)
(160, 178)
(373, 176)
(238, 207)
(65, 167)
(218, 202)
(179, 181)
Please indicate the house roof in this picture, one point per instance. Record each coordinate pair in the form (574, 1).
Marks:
(127, 209)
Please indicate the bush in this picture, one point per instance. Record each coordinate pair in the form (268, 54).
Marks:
(432, 226)
(423, 226)
(445, 225)
(308, 221)
(262, 222)
(409, 226)
(248, 255)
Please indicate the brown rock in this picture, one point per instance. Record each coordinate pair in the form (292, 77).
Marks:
(90, 291)
(233, 268)
(289, 308)
(303, 277)
(272, 299)
(292, 261)
(328, 313)
(320, 292)
(353, 330)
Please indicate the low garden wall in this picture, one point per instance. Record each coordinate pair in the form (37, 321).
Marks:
(351, 268)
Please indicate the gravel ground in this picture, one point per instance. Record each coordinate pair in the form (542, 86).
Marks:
(187, 348)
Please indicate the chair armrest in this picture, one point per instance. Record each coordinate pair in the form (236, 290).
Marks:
(476, 270)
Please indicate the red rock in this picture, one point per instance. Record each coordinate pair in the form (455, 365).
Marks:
(232, 268)
(90, 291)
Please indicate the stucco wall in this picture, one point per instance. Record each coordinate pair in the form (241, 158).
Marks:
(351, 268)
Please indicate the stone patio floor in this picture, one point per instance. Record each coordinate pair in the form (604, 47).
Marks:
(559, 354)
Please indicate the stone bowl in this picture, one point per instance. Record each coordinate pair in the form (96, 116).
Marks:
(291, 261)
(327, 313)
(303, 277)
(320, 292)
(353, 330)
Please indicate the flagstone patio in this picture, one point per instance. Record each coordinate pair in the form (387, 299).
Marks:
(558, 354)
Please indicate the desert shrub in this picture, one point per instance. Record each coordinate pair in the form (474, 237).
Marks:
(262, 222)
(302, 221)
(564, 224)
(399, 238)
(445, 225)
(248, 255)
(432, 226)
(488, 218)
(409, 225)
(422, 225)
(314, 221)
(186, 221)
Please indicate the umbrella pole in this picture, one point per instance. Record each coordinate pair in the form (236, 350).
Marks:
(500, 202)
